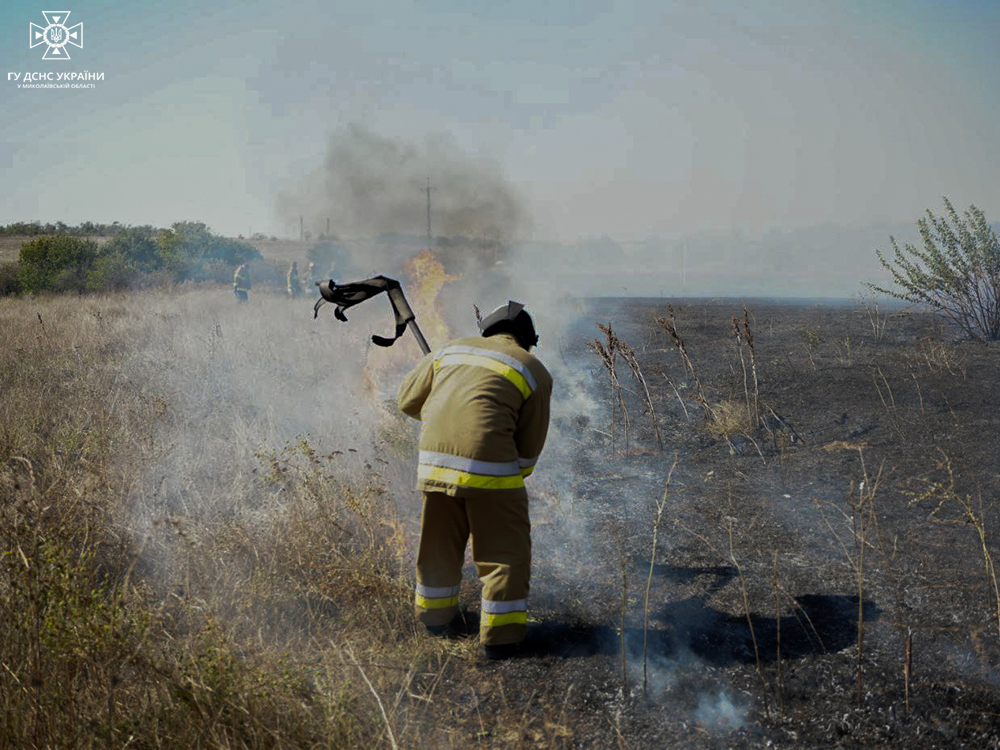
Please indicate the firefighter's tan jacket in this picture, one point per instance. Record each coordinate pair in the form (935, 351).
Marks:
(293, 287)
(241, 279)
(484, 404)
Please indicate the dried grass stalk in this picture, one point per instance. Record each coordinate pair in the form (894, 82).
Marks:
(608, 354)
(628, 354)
(668, 324)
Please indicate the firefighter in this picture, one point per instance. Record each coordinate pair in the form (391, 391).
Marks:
(241, 283)
(484, 408)
(293, 285)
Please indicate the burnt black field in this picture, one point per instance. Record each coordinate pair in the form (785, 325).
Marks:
(823, 574)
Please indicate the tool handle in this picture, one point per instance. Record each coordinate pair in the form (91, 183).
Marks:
(399, 303)
(421, 341)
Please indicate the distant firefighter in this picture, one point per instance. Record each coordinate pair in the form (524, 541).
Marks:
(484, 405)
(241, 283)
(311, 278)
(293, 285)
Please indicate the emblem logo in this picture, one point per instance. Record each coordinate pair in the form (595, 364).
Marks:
(56, 35)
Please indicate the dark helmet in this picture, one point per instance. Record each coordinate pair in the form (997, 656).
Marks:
(510, 318)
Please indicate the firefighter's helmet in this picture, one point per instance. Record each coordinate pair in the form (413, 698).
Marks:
(510, 318)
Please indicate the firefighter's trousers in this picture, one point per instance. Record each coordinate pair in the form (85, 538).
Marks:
(501, 551)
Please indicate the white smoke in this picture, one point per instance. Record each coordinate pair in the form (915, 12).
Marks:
(719, 712)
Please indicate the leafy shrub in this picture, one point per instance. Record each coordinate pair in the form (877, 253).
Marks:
(58, 263)
(112, 271)
(138, 244)
(9, 281)
(192, 252)
(134, 255)
(956, 272)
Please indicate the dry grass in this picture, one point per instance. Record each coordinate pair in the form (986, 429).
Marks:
(862, 518)
(661, 505)
(669, 325)
(10, 248)
(877, 319)
(608, 353)
(938, 356)
(178, 576)
(971, 511)
(730, 419)
(812, 338)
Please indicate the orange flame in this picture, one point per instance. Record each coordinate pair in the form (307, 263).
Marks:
(428, 277)
(425, 279)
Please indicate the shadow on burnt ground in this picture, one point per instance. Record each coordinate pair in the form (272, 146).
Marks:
(819, 623)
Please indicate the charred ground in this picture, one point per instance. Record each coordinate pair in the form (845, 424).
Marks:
(753, 615)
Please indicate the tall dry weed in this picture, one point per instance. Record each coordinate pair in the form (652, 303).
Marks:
(669, 325)
(608, 353)
(971, 511)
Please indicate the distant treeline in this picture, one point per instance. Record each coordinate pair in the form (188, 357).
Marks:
(69, 261)
(85, 229)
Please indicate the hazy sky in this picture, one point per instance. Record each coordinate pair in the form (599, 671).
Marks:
(628, 118)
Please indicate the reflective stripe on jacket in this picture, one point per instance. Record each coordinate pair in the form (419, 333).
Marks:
(241, 280)
(484, 404)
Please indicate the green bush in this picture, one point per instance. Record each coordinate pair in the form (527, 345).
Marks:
(127, 259)
(9, 282)
(112, 271)
(58, 263)
(138, 245)
(192, 252)
(134, 255)
(956, 273)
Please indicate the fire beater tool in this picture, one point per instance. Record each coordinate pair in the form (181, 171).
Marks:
(353, 293)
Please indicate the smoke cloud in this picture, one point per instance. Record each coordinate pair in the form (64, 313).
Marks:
(371, 185)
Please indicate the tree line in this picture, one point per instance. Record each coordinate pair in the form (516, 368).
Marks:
(84, 229)
(72, 261)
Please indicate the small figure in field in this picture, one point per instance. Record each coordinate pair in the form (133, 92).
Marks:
(293, 285)
(311, 278)
(241, 283)
(484, 405)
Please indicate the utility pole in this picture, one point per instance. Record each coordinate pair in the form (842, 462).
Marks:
(302, 234)
(428, 191)
(327, 226)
